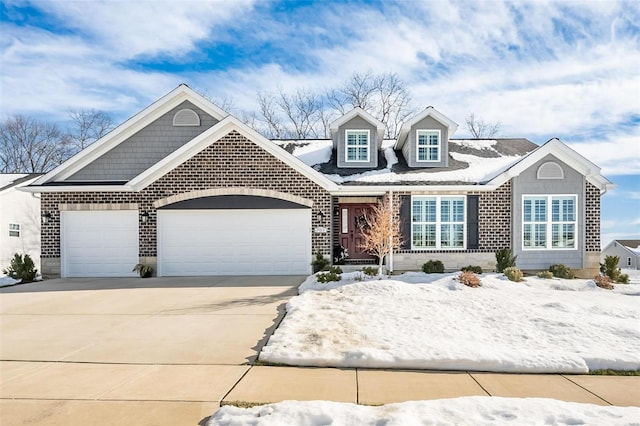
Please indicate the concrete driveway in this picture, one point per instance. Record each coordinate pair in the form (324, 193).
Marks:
(131, 351)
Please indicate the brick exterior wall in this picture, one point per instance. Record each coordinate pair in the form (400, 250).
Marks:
(494, 217)
(592, 218)
(494, 221)
(232, 161)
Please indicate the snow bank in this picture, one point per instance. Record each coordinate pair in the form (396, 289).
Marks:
(425, 321)
(464, 411)
(6, 280)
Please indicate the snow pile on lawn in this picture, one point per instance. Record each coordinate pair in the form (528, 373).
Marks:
(432, 321)
(6, 280)
(463, 411)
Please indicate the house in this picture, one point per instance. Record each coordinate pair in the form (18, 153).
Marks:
(19, 219)
(627, 250)
(192, 190)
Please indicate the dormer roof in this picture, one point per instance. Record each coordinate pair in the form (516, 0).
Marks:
(427, 112)
(359, 112)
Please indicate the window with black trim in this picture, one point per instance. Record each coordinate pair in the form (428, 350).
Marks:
(438, 222)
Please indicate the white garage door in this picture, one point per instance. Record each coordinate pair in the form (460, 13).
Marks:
(99, 243)
(234, 242)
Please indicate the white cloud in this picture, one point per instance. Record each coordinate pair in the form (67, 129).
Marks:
(618, 154)
(130, 28)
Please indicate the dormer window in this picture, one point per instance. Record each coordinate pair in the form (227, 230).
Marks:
(428, 145)
(357, 145)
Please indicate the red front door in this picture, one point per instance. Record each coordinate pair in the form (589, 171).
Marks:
(351, 224)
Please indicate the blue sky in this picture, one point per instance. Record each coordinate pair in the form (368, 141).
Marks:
(542, 69)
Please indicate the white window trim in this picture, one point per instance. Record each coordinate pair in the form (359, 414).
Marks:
(439, 222)
(186, 112)
(439, 145)
(346, 145)
(549, 223)
(18, 230)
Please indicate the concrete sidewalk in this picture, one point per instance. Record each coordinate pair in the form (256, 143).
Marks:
(265, 384)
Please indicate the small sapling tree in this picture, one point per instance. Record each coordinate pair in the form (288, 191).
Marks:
(381, 234)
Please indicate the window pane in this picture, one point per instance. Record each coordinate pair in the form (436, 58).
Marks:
(424, 236)
(563, 235)
(540, 236)
(527, 238)
(452, 235)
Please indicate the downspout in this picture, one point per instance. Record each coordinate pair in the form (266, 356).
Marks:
(391, 233)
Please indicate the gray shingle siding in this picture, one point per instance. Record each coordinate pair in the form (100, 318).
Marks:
(357, 123)
(528, 184)
(145, 148)
(409, 148)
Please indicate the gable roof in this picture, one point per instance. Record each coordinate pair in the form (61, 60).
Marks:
(427, 112)
(182, 154)
(130, 127)
(216, 132)
(565, 154)
(632, 246)
(359, 112)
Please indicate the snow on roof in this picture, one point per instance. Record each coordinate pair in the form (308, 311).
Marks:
(7, 178)
(472, 161)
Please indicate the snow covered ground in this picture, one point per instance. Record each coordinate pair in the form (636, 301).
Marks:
(6, 280)
(422, 321)
(459, 411)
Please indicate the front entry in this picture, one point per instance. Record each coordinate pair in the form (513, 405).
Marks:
(352, 221)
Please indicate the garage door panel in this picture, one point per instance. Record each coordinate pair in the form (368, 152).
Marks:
(99, 243)
(234, 242)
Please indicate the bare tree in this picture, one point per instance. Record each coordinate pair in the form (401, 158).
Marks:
(385, 96)
(393, 103)
(269, 115)
(28, 145)
(87, 126)
(479, 129)
(382, 233)
(303, 111)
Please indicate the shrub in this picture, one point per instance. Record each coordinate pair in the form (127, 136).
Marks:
(470, 279)
(145, 271)
(504, 259)
(21, 268)
(611, 270)
(561, 271)
(471, 268)
(433, 267)
(319, 263)
(603, 281)
(333, 274)
(370, 271)
(513, 274)
(547, 275)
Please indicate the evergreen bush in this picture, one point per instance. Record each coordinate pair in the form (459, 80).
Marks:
(21, 268)
(561, 271)
(433, 267)
(505, 259)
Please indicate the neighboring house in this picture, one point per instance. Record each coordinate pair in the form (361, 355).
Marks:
(627, 250)
(19, 219)
(192, 190)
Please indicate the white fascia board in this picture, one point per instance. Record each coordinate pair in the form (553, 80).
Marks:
(379, 189)
(563, 153)
(427, 112)
(335, 124)
(129, 128)
(76, 188)
(216, 132)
